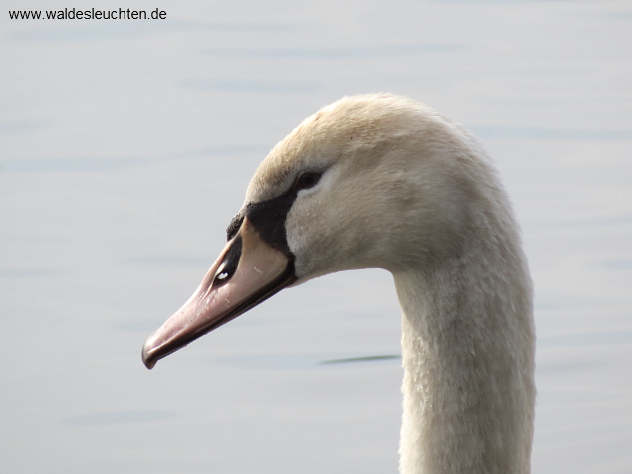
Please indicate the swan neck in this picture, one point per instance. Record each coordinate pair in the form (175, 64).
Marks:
(467, 354)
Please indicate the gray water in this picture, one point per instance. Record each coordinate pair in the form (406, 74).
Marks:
(127, 147)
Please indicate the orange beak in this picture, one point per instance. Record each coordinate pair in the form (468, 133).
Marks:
(246, 272)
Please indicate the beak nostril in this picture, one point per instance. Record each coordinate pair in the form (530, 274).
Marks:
(220, 274)
(227, 268)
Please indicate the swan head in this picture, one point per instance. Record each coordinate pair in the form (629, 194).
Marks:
(368, 181)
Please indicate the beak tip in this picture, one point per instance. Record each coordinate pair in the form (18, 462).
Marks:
(147, 355)
(256, 271)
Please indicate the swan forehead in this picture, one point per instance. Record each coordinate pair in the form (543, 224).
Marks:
(346, 129)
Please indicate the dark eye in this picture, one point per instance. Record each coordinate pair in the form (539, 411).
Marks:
(307, 180)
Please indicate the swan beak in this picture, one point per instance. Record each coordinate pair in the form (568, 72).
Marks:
(246, 272)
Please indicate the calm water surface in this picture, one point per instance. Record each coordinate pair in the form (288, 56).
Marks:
(127, 146)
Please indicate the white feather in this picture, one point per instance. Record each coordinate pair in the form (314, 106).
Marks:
(407, 190)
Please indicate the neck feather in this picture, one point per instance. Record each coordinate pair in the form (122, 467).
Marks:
(468, 357)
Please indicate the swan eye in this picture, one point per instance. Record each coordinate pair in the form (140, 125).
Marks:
(307, 180)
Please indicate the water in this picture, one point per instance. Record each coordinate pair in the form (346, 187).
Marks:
(126, 149)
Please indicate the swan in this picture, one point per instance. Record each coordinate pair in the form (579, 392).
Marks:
(383, 181)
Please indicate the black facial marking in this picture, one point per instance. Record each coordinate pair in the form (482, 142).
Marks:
(268, 217)
(234, 225)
